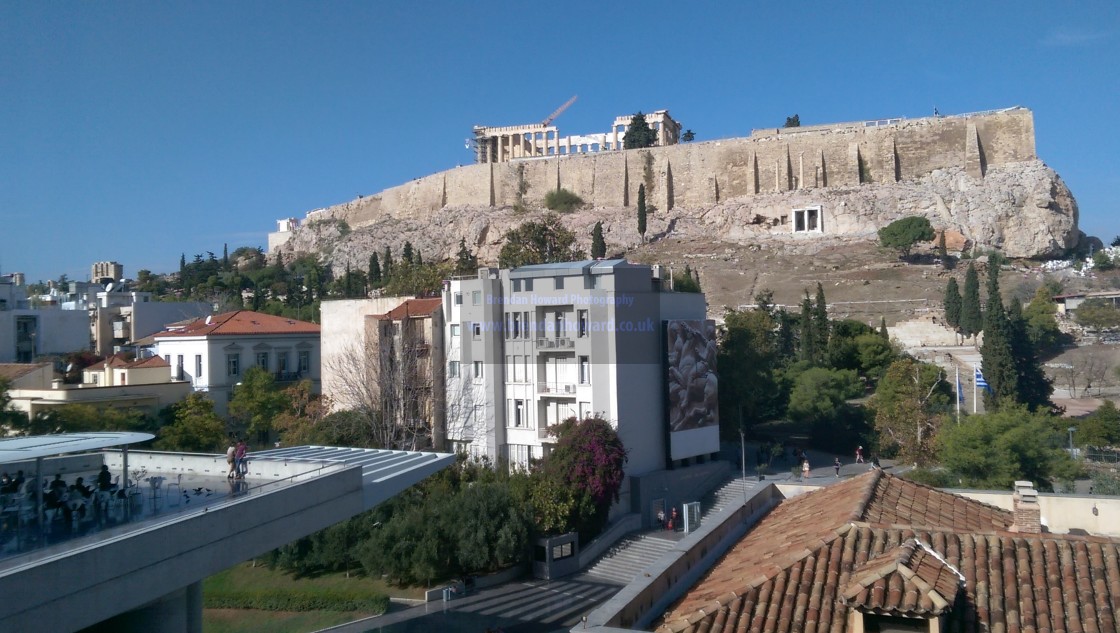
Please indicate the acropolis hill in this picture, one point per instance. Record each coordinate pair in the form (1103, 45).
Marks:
(975, 175)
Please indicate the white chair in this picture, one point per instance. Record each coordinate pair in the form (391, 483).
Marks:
(177, 484)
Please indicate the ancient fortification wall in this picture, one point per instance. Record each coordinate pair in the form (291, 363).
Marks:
(698, 174)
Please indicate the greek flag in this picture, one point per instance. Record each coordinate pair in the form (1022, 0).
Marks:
(980, 382)
(960, 394)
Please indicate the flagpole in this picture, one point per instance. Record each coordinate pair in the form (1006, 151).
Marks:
(974, 381)
(958, 368)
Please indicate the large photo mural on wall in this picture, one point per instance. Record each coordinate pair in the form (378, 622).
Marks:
(693, 386)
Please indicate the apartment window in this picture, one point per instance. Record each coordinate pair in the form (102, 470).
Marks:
(509, 368)
(476, 330)
(262, 360)
(519, 413)
(583, 323)
(517, 285)
(516, 324)
(179, 367)
(167, 357)
(198, 366)
(476, 416)
(454, 329)
(453, 369)
(559, 281)
(518, 369)
(509, 325)
(476, 297)
(558, 322)
(528, 285)
(477, 369)
(304, 362)
(282, 362)
(233, 364)
(584, 370)
(458, 298)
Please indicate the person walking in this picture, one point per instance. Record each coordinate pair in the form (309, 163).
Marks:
(231, 456)
(859, 455)
(805, 468)
(836, 465)
(239, 465)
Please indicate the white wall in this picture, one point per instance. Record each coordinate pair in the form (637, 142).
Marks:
(342, 333)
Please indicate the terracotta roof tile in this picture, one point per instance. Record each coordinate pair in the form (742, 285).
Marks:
(12, 371)
(796, 567)
(412, 308)
(240, 323)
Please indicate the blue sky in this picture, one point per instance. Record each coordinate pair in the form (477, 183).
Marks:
(136, 131)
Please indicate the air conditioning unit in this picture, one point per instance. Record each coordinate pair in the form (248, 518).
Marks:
(569, 388)
(566, 342)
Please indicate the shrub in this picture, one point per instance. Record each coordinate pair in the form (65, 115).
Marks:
(562, 200)
(285, 600)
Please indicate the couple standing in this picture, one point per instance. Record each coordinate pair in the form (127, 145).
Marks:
(235, 457)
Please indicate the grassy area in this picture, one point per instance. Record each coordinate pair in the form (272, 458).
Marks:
(255, 621)
(241, 576)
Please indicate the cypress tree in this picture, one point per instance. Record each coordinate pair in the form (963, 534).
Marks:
(820, 325)
(942, 252)
(598, 244)
(972, 319)
(642, 211)
(406, 254)
(465, 261)
(953, 305)
(387, 264)
(808, 344)
(419, 258)
(348, 282)
(883, 329)
(1034, 387)
(998, 361)
(225, 257)
(374, 272)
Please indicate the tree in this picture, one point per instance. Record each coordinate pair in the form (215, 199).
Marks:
(1099, 428)
(808, 342)
(406, 253)
(1041, 321)
(972, 319)
(543, 242)
(1032, 387)
(998, 360)
(465, 261)
(687, 280)
(642, 211)
(588, 461)
(883, 333)
(749, 393)
(1103, 261)
(1097, 315)
(942, 252)
(256, 401)
(1115, 241)
(387, 263)
(793, 121)
(996, 449)
(598, 244)
(903, 234)
(820, 324)
(688, 136)
(909, 404)
(639, 134)
(193, 427)
(374, 274)
(953, 304)
(819, 394)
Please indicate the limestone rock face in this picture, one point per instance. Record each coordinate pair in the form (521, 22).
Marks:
(1023, 209)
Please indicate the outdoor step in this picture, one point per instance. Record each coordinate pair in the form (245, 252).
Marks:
(623, 562)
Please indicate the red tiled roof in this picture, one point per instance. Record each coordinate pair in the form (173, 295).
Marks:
(412, 308)
(241, 322)
(793, 571)
(120, 361)
(12, 371)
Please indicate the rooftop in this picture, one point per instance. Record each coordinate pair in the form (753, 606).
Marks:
(413, 308)
(240, 323)
(12, 371)
(885, 545)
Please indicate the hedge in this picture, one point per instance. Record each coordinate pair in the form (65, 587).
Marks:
(281, 600)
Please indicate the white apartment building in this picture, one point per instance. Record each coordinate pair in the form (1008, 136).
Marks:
(213, 353)
(530, 347)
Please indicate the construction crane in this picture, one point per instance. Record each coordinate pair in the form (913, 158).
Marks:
(559, 110)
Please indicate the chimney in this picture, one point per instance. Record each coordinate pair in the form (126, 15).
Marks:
(1027, 515)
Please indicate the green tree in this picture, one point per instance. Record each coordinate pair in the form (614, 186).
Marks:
(819, 394)
(875, 355)
(1103, 261)
(942, 252)
(256, 402)
(793, 121)
(193, 427)
(465, 261)
(749, 393)
(996, 449)
(598, 244)
(374, 274)
(642, 211)
(998, 360)
(909, 405)
(883, 333)
(638, 133)
(72, 418)
(424, 280)
(1099, 428)
(1097, 315)
(972, 319)
(1042, 322)
(953, 304)
(808, 342)
(1032, 387)
(903, 234)
(820, 324)
(406, 254)
(387, 264)
(491, 530)
(543, 242)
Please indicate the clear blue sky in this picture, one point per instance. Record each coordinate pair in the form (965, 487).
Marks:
(136, 131)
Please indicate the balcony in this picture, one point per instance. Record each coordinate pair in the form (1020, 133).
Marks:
(555, 344)
(563, 389)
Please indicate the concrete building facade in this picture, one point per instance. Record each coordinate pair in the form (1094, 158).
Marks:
(530, 347)
(27, 333)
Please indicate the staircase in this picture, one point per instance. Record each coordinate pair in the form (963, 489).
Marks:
(633, 553)
(629, 556)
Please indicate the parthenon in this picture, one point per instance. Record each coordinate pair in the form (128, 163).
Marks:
(539, 140)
